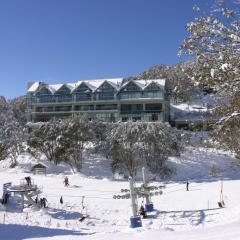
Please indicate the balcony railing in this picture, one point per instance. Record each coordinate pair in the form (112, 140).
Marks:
(87, 98)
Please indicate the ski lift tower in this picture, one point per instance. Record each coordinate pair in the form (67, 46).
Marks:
(134, 192)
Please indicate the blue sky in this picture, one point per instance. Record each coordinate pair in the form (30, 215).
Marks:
(60, 41)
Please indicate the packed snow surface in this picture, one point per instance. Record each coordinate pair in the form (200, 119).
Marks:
(178, 214)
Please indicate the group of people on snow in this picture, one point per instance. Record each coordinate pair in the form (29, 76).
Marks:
(43, 202)
(29, 181)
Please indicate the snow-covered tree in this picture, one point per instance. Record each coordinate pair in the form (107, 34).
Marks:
(12, 135)
(18, 105)
(101, 131)
(126, 147)
(160, 141)
(214, 42)
(76, 132)
(43, 140)
(227, 130)
(137, 144)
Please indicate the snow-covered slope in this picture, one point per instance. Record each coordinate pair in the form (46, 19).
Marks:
(179, 214)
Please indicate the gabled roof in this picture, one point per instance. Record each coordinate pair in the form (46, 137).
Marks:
(59, 86)
(78, 84)
(39, 165)
(131, 81)
(145, 83)
(117, 83)
(34, 87)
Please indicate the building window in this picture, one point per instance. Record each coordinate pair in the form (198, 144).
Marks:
(83, 93)
(106, 107)
(83, 97)
(112, 117)
(48, 109)
(153, 107)
(46, 99)
(105, 92)
(63, 109)
(153, 87)
(153, 95)
(135, 119)
(64, 98)
(154, 117)
(106, 96)
(131, 108)
(131, 87)
(124, 119)
(39, 109)
(43, 91)
(84, 108)
(130, 95)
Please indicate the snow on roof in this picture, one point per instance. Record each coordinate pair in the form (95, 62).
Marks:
(117, 83)
(34, 87)
(39, 165)
(144, 83)
(54, 87)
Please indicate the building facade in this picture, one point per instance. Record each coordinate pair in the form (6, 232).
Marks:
(109, 100)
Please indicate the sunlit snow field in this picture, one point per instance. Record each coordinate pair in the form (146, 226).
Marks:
(178, 214)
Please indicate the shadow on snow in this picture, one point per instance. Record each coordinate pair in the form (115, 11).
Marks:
(19, 232)
(63, 214)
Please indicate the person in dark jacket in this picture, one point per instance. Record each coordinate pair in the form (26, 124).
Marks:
(187, 186)
(142, 212)
(5, 198)
(28, 180)
(66, 182)
(61, 200)
(44, 201)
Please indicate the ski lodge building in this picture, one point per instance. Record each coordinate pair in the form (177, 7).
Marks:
(109, 100)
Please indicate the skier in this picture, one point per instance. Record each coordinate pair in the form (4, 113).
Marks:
(61, 200)
(142, 212)
(36, 199)
(5, 198)
(66, 182)
(187, 186)
(28, 179)
(44, 201)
